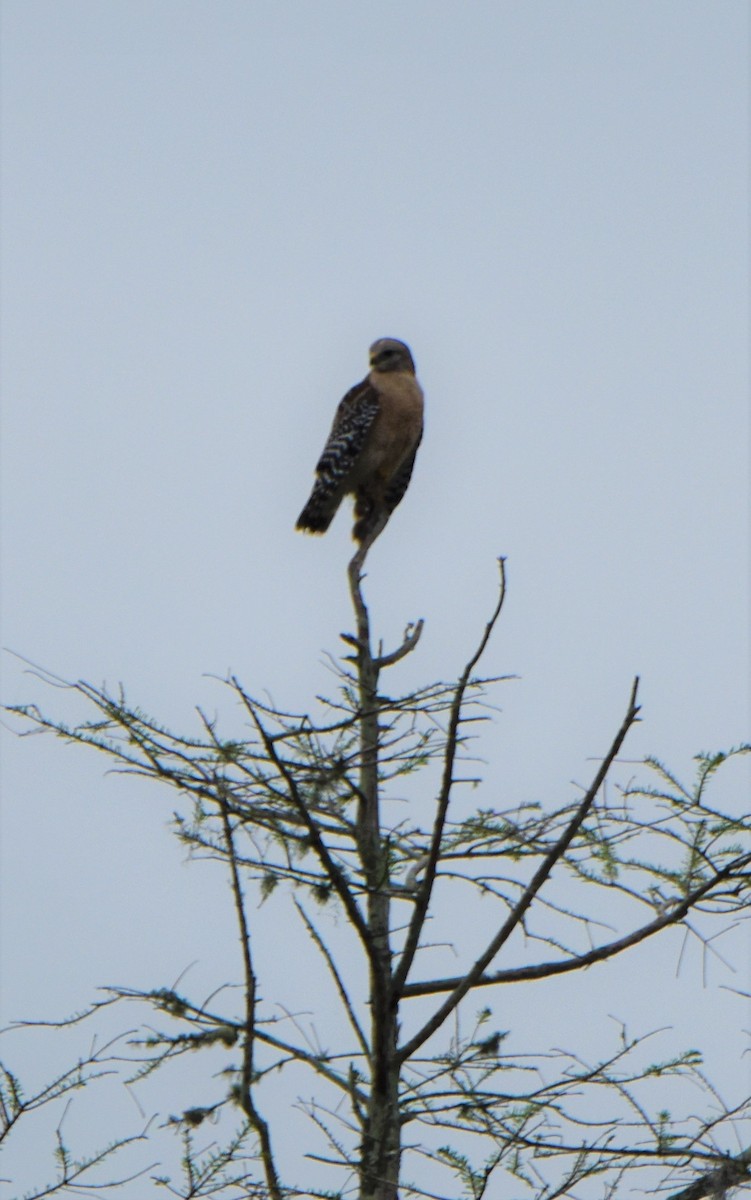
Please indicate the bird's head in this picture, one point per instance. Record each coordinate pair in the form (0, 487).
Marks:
(388, 354)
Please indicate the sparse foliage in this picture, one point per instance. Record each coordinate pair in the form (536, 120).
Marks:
(424, 1094)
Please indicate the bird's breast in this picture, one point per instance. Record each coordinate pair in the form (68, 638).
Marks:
(397, 427)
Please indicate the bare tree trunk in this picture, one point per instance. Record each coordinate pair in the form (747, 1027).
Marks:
(381, 1145)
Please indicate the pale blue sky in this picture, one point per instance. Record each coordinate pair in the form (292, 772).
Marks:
(209, 211)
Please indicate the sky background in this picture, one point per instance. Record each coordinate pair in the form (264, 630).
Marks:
(210, 210)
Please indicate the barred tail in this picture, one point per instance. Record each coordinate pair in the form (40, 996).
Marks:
(320, 510)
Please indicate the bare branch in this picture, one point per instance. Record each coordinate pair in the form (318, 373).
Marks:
(411, 638)
(340, 986)
(425, 888)
(542, 873)
(674, 916)
(247, 1101)
(733, 1171)
(333, 872)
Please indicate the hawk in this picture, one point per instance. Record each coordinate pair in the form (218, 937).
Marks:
(371, 449)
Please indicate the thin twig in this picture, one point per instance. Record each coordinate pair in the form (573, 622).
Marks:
(331, 964)
(425, 888)
(257, 1122)
(546, 970)
(542, 873)
(733, 1171)
(333, 871)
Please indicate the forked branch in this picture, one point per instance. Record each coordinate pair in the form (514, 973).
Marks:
(474, 975)
(425, 888)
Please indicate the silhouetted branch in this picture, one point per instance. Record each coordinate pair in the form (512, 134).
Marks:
(425, 887)
(733, 1172)
(542, 873)
(298, 800)
(737, 868)
(246, 1099)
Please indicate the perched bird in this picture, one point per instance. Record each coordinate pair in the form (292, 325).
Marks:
(371, 449)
